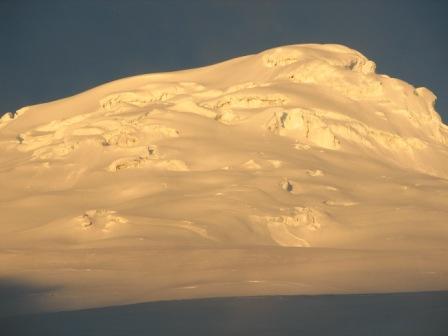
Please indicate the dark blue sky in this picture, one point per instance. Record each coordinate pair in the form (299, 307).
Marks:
(55, 48)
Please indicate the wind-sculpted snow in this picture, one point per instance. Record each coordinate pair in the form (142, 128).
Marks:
(103, 220)
(298, 164)
(333, 55)
(290, 230)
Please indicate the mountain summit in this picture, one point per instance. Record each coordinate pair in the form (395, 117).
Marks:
(295, 170)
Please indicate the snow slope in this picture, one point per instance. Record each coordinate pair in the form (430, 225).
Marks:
(296, 170)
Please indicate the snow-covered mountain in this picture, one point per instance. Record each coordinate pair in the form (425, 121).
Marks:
(295, 170)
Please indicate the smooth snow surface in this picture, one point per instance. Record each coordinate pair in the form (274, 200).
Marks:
(298, 170)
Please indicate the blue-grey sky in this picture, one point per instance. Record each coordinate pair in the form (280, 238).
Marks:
(55, 48)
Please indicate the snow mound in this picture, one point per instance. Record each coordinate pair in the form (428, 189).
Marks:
(304, 126)
(100, 220)
(314, 94)
(334, 55)
(241, 101)
(297, 165)
(292, 229)
(142, 162)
